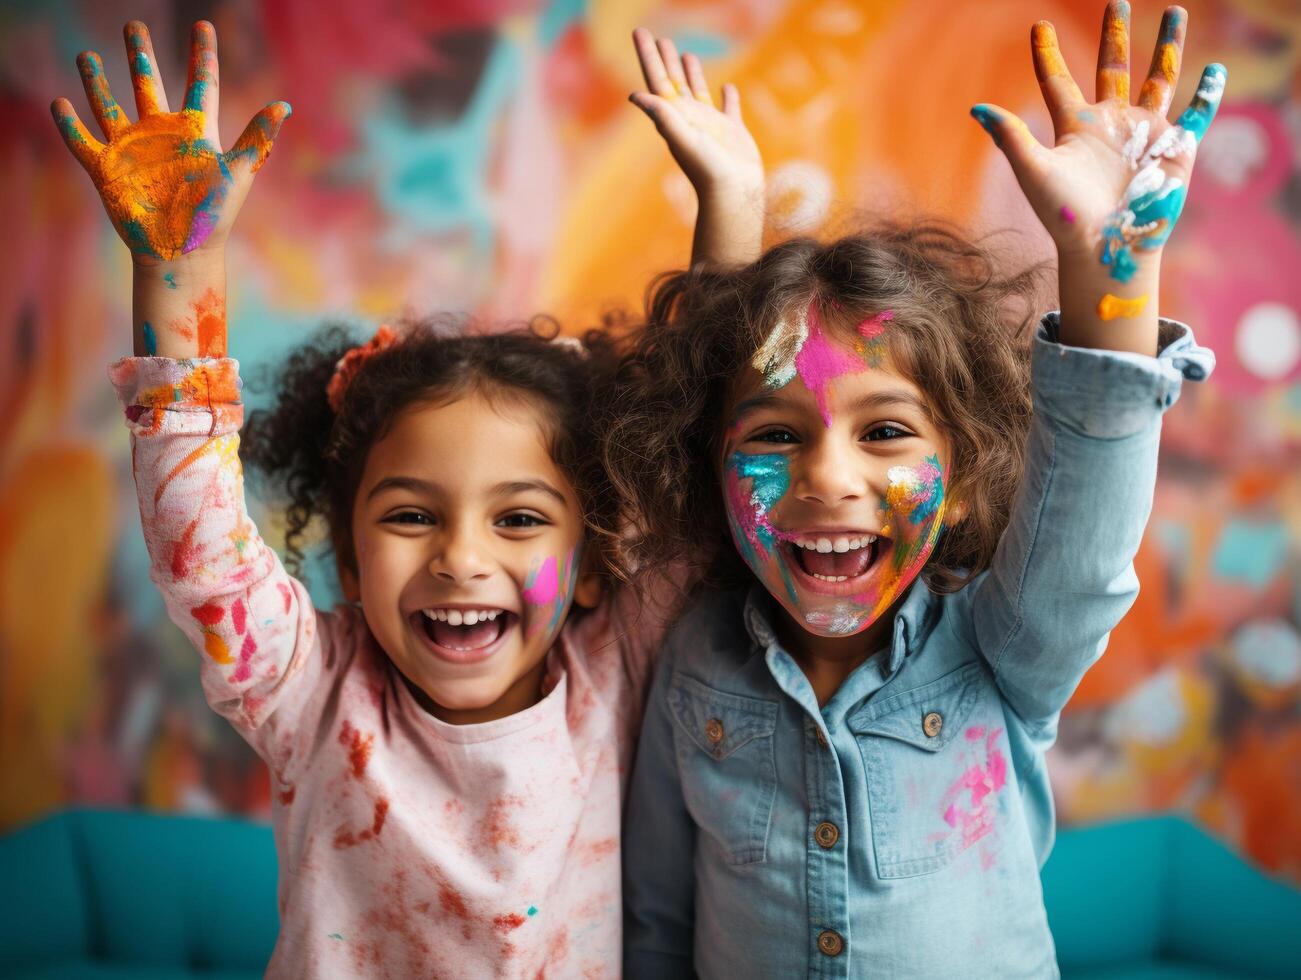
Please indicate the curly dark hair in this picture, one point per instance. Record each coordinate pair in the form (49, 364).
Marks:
(960, 332)
(316, 457)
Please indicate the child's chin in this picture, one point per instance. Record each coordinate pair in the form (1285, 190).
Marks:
(843, 619)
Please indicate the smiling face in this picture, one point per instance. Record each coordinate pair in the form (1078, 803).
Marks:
(833, 474)
(467, 539)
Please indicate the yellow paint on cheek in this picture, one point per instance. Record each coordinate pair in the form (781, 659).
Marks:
(1112, 307)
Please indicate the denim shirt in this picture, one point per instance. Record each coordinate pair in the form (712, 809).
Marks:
(899, 829)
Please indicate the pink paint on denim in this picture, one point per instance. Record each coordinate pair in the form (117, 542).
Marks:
(975, 820)
(821, 360)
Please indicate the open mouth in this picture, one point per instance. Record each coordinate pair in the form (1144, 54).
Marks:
(464, 635)
(835, 564)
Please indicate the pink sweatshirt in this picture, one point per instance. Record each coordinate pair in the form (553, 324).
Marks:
(408, 847)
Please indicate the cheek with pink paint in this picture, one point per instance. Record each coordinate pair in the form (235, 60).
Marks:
(547, 593)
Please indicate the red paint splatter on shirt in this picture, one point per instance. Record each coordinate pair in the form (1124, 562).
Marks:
(505, 923)
(497, 830)
(346, 838)
(358, 746)
(209, 614)
(287, 594)
(185, 555)
(287, 795)
(245, 669)
(238, 615)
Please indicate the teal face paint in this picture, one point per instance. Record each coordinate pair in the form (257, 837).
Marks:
(1154, 199)
(151, 340)
(170, 279)
(753, 533)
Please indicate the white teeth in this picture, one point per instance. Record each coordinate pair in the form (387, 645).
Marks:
(830, 578)
(840, 545)
(462, 617)
(824, 546)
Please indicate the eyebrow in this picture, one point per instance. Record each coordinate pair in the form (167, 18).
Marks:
(877, 399)
(504, 489)
(509, 487)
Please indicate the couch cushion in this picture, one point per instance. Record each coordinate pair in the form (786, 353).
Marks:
(43, 909)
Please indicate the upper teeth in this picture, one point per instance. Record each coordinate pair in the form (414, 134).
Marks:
(462, 617)
(839, 544)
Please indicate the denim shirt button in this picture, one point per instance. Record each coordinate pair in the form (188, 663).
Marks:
(714, 731)
(830, 943)
(933, 724)
(826, 834)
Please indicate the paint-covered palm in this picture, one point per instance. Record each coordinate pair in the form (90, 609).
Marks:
(1115, 179)
(711, 145)
(164, 180)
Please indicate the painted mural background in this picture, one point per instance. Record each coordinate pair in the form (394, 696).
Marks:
(482, 157)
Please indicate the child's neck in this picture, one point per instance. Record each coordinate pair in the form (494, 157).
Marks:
(828, 660)
(520, 696)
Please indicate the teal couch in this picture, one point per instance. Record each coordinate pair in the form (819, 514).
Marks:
(90, 894)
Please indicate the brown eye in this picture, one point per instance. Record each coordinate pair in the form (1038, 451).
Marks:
(887, 432)
(778, 437)
(522, 521)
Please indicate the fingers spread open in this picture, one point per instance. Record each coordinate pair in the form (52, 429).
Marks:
(107, 112)
(254, 144)
(1163, 75)
(83, 146)
(673, 65)
(148, 84)
(202, 84)
(1060, 92)
(1197, 118)
(652, 65)
(1113, 53)
(696, 78)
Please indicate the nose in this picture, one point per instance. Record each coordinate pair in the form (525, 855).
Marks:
(831, 471)
(461, 558)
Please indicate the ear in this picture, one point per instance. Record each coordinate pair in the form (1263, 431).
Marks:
(588, 591)
(589, 588)
(348, 579)
(345, 567)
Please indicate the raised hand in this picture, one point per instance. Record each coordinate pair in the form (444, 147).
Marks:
(164, 180)
(711, 145)
(1113, 184)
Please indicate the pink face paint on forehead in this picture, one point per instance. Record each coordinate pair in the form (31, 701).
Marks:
(821, 360)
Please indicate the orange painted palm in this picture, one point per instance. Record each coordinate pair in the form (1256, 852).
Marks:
(164, 180)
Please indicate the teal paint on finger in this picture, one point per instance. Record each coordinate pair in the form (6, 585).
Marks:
(170, 279)
(989, 121)
(1197, 118)
(198, 92)
(140, 61)
(151, 340)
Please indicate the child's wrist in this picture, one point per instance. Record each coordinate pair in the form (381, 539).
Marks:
(180, 305)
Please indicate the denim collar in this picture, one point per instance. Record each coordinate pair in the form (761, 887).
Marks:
(913, 623)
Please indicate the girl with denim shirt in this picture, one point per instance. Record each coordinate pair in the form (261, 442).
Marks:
(932, 527)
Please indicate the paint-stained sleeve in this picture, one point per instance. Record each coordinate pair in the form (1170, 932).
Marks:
(659, 848)
(1063, 576)
(253, 624)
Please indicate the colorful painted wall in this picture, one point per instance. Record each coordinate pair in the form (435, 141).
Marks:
(482, 157)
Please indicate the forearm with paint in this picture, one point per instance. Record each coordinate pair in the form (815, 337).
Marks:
(179, 306)
(1099, 312)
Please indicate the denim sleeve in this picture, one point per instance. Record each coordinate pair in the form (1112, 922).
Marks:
(659, 849)
(1062, 576)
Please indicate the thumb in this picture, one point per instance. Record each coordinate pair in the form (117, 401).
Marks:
(254, 144)
(1013, 137)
